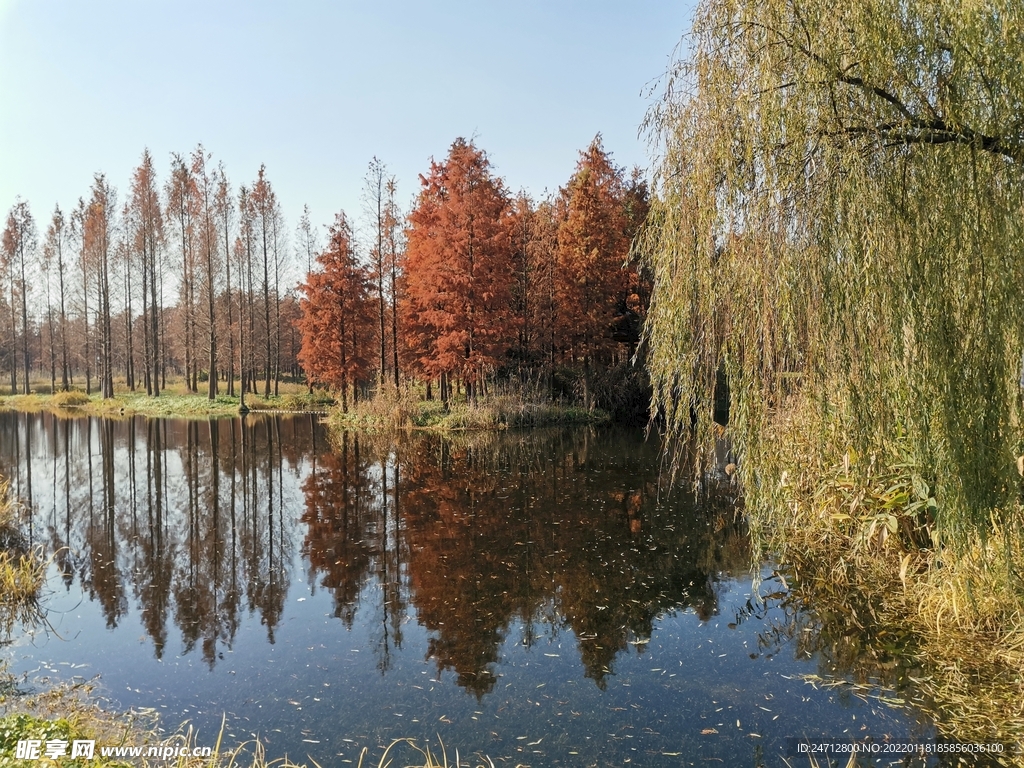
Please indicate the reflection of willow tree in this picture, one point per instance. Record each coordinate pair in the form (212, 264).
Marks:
(492, 540)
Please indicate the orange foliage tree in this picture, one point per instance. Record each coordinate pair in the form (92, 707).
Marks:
(336, 322)
(593, 243)
(534, 231)
(458, 271)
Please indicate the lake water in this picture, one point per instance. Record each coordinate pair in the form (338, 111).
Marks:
(537, 597)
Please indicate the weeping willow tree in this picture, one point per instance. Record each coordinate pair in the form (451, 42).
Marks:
(839, 227)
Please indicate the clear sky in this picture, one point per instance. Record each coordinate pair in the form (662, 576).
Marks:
(316, 89)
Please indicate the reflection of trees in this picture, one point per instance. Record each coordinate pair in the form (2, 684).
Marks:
(494, 540)
(545, 532)
(102, 577)
(338, 525)
(186, 517)
(265, 547)
(353, 530)
(152, 552)
(553, 530)
(206, 593)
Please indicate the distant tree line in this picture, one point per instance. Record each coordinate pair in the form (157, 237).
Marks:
(194, 279)
(188, 279)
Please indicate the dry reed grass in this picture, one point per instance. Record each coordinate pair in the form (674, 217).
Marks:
(503, 408)
(860, 535)
(22, 570)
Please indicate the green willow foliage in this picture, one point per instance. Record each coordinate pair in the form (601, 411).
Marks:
(839, 224)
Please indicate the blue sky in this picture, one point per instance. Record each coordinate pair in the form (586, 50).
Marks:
(316, 89)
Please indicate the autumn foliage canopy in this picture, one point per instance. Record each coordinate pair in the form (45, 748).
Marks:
(487, 283)
(458, 269)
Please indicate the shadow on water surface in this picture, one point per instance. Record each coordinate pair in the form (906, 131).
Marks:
(248, 566)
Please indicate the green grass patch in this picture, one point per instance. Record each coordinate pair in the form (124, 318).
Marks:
(169, 404)
(21, 726)
(316, 402)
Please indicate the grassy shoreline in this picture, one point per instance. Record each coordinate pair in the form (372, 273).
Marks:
(389, 411)
(407, 410)
(22, 570)
(167, 405)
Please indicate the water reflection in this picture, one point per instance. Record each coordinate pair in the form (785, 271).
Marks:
(534, 597)
(193, 524)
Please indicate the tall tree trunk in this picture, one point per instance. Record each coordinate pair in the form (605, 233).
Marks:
(13, 354)
(146, 359)
(24, 318)
(88, 351)
(231, 320)
(277, 315)
(53, 351)
(107, 381)
(130, 332)
(266, 311)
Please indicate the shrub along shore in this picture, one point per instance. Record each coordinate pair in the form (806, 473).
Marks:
(406, 409)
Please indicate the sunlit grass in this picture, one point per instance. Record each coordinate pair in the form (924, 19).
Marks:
(22, 570)
(407, 408)
(860, 536)
(174, 401)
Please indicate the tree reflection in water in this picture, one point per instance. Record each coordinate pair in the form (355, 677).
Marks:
(552, 531)
(475, 537)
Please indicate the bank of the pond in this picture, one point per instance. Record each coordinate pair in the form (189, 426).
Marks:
(22, 570)
(59, 718)
(410, 410)
(167, 405)
(385, 412)
(31, 725)
(859, 537)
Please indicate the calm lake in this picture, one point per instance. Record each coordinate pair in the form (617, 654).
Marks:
(537, 597)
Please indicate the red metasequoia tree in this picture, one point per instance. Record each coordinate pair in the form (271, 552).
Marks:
(337, 319)
(458, 272)
(593, 244)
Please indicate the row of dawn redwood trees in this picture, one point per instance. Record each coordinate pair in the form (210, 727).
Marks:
(193, 278)
(187, 278)
(487, 283)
